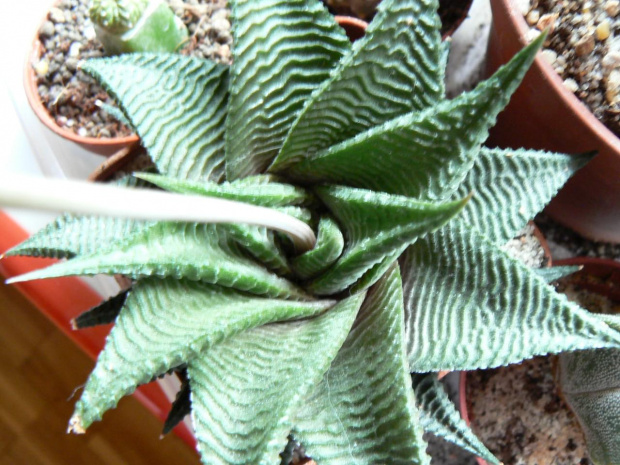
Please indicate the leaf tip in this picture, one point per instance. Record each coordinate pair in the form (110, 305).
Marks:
(75, 425)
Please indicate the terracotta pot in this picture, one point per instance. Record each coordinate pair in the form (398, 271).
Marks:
(354, 27)
(101, 146)
(543, 114)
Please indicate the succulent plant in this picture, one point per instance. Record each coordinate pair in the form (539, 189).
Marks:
(125, 26)
(407, 275)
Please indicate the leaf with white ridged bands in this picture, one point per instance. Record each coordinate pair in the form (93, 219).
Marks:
(71, 235)
(511, 186)
(590, 384)
(246, 389)
(556, 272)
(364, 411)
(394, 69)
(199, 252)
(377, 271)
(102, 314)
(487, 308)
(424, 155)
(261, 244)
(283, 50)
(166, 323)
(178, 109)
(375, 225)
(439, 416)
(264, 190)
(329, 246)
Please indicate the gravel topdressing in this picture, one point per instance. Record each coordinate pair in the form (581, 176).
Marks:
(584, 49)
(74, 99)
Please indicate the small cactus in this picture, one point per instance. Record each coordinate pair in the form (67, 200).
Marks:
(125, 26)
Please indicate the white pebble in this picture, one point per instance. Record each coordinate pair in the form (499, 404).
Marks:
(532, 34)
(610, 61)
(612, 7)
(533, 17)
(612, 87)
(41, 67)
(75, 49)
(549, 55)
(571, 85)
(89, 33)
(57, 15)
(523, 6)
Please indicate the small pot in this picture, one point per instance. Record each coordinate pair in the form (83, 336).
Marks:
(100, 146)
(543, 114)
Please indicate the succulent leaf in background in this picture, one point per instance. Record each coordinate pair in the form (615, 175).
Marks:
(408, 274)
(125, 26)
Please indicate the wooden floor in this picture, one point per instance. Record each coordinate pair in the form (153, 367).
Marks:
(39, 369)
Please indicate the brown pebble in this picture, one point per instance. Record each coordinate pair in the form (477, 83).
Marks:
(585, 45)
(612, 7)
(547, 21)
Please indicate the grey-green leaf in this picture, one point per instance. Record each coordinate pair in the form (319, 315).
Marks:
(375, 226)
(246, 390)
(424, 155)
(439, 416)
(329, 246)
(364, 410)
(262, 190)
(283, 50)
(201, 252)
(556, 272)
(396, 68)
(494, 310)
(511, 186)
(590, 383)
(166, 323)
(178, 109)
(71, 235)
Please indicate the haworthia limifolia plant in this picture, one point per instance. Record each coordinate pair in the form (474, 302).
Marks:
(408, 275)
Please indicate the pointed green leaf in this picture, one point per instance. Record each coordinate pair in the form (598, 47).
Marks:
(556, 272)
(590, 383)
(71, 235)
(329, 245)
(493, 310)
(261, 244)
(201, 252)
(178, 108)
(439, 416)
(246, 389)
(394, 69)
(166, 323)
(364, 410)
(375, 226)
(425, 154)
(283, 50)
(378, 270)
(104, 313)
(511, 186)
(263, 190)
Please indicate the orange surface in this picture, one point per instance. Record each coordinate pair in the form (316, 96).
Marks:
(61, 300)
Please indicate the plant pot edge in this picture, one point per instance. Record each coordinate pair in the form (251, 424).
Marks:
(588, 203)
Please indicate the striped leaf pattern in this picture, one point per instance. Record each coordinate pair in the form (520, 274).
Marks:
(375, 226)
(439, 416)
(166, 323)
(71, 235)
(511, 186)
(486, 308)
(246, 389)
(364, 410)
(426, 154)
(284, 49)
(590, 384)
(178, 109)
(329, 246)
(193, 251)
(394, 69)
(261, 244)
(263, 190)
